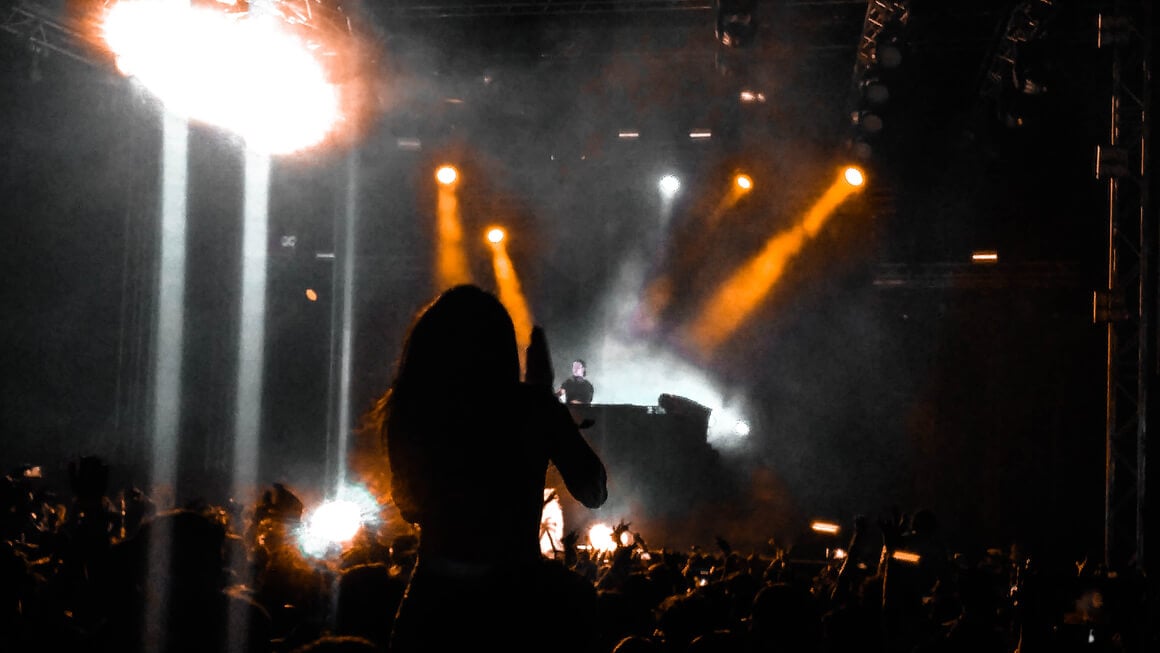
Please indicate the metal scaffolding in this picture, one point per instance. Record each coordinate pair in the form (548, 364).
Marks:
(45, 33)
(1128, 303)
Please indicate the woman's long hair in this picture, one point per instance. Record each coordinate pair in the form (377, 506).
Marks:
(460, 357)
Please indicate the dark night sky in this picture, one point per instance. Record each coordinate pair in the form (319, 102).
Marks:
(979, 397)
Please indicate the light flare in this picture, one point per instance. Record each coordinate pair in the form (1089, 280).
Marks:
(245, 72)
(334, 523)
(600, 537)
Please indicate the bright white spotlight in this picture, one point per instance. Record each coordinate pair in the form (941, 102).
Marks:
(249, 73)
(854, 176)
(335, 522)
(495, 235)
(669, 185)
(741, 428)
(446, 175)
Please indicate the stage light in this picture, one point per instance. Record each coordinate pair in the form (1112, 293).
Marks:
(409, 143)
(741, 428)
(744, 290)
(744, 182)
(311, 295)
(600, 537)
(868, 121)
(447, 175)
(825, 527)
(495, 235)
(253, 73)
(985, 256)
(669, 185)
(854, 176)
(335, 522)
(875, 91)
(906, 556)
(338, 521)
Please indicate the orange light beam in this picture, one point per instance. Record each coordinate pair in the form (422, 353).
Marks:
(512, 296)
(740, 295)
(659, 293)
(451, 257)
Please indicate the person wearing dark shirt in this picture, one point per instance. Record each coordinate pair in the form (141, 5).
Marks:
(577, 389)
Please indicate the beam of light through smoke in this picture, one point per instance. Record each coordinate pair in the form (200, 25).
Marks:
(451, 267)
(657, 295)
(740, 295)
(345, 346)
(167, 358)
(511, 295)
(251, 336)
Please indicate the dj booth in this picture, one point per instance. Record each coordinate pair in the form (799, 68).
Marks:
(659, 462)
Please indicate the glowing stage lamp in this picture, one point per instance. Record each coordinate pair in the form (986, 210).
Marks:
(906, 556)
(854, 176)
(743, 182)
(669, 185)
(825, 527)
(600, 537)
(447, 175)
(335, 523)
(495, 235)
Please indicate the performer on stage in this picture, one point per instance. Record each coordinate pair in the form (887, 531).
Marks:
(577, 390)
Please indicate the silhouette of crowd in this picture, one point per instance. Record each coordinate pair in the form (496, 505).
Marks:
(88, 567)
(75, 576)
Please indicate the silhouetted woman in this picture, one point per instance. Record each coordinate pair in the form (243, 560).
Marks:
(469, 446)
